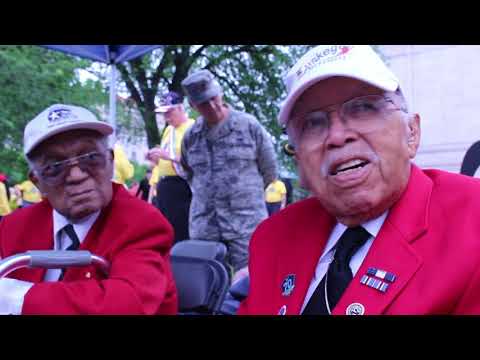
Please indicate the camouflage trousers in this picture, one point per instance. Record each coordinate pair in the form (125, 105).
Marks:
(237, 252)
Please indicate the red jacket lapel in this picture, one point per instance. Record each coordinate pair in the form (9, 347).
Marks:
(391, 250)
(106, 226)
(42, 232)
(300, 254)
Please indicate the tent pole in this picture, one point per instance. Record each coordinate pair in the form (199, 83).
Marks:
(113, 101)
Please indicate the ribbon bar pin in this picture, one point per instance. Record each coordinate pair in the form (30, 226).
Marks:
(382, 274)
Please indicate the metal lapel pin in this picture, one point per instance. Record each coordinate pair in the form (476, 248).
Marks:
(288, 285)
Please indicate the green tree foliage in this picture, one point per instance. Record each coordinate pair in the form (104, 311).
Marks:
(139, 174)
(31, 79)
(251, 76)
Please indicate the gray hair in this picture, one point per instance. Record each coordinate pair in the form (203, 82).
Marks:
(402, 100)
(403, 105)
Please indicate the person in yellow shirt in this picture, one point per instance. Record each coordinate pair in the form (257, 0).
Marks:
(173, 194)
(153, 182)
(275, 196)
(15, 198)
(4, 204)
(30, 193)
(123, 167)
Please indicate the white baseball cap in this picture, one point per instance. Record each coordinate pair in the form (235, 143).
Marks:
(355, 61)
(164, 108)
(59, 118)
(169, 101)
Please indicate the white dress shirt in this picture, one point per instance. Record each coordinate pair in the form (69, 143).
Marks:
(12, 291)
(61, 239)
(372, 226)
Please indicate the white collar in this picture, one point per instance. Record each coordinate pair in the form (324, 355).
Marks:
(372, 226)
(81, 226)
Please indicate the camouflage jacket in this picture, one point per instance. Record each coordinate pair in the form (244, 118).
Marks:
(228, 168)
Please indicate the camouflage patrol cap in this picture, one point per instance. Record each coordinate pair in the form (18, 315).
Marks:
(201, 86)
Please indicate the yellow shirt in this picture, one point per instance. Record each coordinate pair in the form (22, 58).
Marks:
(30, 192)
(4, 205)
(123, 168)
(172, 143)
(15, 202)
(275, 192)
(155, 176)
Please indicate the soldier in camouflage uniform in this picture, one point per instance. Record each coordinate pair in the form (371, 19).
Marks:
(229, 159)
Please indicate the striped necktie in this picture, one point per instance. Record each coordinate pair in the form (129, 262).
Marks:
(73, 237)
(69, 230)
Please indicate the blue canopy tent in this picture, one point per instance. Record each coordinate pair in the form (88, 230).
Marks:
(108, 54)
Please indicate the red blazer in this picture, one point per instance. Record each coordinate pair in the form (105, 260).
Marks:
(129, 233)
(430, 240)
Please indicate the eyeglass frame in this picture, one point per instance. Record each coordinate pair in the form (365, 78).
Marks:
(67, 164)
(338, 109)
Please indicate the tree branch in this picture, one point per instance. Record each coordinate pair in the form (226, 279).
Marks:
(230, 84)
(196, 54)
(130, 85)
(158, 74)
(139, 73)
(227, 54)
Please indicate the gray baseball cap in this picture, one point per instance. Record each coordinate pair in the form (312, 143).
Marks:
(59, 118)
(201, 86)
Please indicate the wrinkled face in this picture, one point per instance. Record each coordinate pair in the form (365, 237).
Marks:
(357, 171)
(79, 187)
(212, 110)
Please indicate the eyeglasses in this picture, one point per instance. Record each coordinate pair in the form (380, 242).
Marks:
(362, 114)
(54, 174)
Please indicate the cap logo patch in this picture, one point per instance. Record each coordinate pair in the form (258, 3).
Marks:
(59, 114)
(333, 53)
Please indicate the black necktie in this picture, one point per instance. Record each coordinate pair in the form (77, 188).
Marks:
(73, 236)
(339, 274)
(75, 243)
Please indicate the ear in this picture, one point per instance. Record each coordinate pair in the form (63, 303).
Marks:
(302, 179)
(33, 178)
(192, 105)
(413, 135)
(36, 181)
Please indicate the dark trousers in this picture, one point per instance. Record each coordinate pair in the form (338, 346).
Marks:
(173, 200)
(273, 207)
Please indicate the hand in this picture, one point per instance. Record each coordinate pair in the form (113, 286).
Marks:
(18, 191)
(12, 293)
(156, 153)
(240, 274)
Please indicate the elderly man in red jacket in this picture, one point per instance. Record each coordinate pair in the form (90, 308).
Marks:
(72, 164)
(379, 235)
